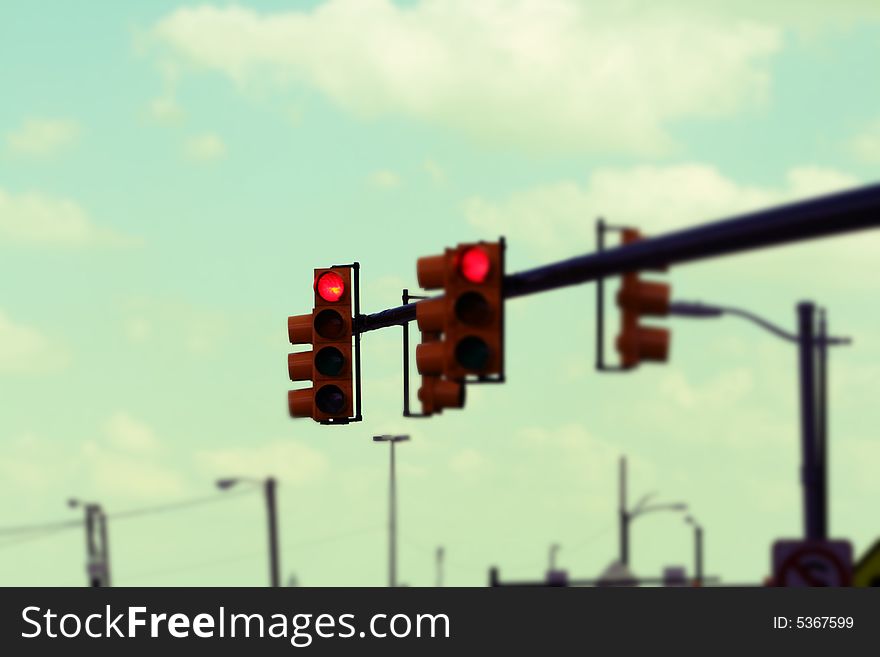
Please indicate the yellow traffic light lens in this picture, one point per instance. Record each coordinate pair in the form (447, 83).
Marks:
(330, 400)
(473, 309)
(330, 286)
(475, 265)
(329, 324)
(329, 361)
(472, 353)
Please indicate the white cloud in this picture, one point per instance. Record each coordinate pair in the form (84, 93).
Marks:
(166, 109)
(138, 329)
(24, 350)
(541, 74)
(42, 137)
(436, 172)
(37, 219)
(866, 145)
(290, 462)
(467, 461)
(553, 219)
(205, 148)
(122, 471)
(130, 435)
(200, 331)
(384, 179)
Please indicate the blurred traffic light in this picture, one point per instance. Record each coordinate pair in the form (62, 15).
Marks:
(637, 298)
(462, 331)
(328, 329)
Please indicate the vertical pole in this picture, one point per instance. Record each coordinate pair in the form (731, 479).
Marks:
(624, 517)
(440, 554)
(105, 546)
(698, 537)
(806, 321)
(822, 425)
(405, 326)
(392, 526)
(271, 511)
(91, 547)
(600, 299)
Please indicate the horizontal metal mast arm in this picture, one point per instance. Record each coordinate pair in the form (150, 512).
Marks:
(828, 215)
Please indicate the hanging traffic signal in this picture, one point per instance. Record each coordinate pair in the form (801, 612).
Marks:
(328, 365)
(462, 331)
(636, 298)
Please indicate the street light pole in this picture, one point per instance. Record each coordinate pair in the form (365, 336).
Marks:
(392, 508)
(440, 555)
(641, 507)
(269, 485)
(698, 549)
(271, 510)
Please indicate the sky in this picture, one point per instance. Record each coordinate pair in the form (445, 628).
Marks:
(171, 174)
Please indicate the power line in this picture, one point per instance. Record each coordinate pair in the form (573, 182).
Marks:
(122, 515)
(175, 506)
(250, 555)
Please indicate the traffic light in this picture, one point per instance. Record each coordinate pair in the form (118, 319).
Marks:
(328, 329)
(636, 298)
(462, 331)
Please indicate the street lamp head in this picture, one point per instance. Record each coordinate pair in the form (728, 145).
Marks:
(390, 439)
(73, 502)
(225, 484)
(679, 506)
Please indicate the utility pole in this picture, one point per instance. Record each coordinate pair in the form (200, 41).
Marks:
(97, 544)
(392, 508)
(623, 515)
(269, 490)
(269, 485)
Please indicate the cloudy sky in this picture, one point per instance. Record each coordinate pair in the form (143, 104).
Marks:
(170, 174)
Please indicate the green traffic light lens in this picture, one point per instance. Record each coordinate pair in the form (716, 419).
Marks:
(329, 361)
(472, 353)
(329, 324)
(330, 400)
(473, 309)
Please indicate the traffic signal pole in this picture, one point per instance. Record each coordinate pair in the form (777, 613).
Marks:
(821, 217)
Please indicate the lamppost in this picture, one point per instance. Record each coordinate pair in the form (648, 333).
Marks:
(97, 547)
(813, 341)
(392, 509)
(698, 549)
(269, 484)
(642, 507)
(440, 554)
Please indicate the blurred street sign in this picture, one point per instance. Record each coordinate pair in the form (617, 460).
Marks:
(812, 563)
(867, 570)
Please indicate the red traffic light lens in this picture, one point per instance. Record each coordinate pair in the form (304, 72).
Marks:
(330, 286)
(475, 265)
